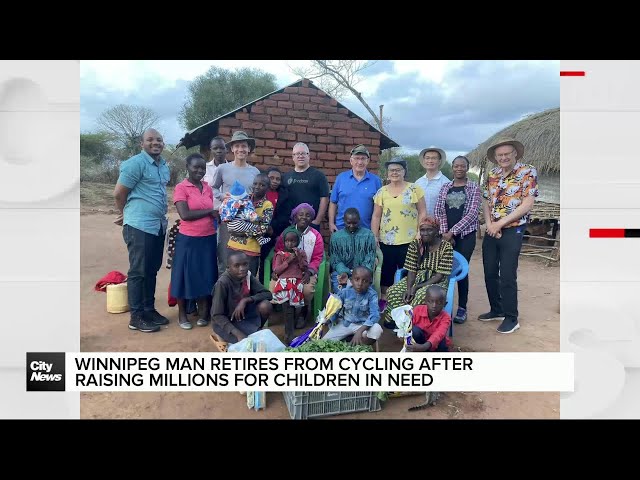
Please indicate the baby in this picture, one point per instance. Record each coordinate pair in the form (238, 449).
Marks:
(238, 212)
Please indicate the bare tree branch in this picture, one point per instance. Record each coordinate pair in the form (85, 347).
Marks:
(127, 123)
(337, 77)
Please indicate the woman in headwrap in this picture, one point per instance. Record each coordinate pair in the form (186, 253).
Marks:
(429, 261)
(312, 244)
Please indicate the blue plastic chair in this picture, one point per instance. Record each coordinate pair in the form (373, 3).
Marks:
(459, 271)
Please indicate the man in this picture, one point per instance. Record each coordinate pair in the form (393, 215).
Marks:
(355, 188)
(509, 194)
(218, 149)
(141, 195)
(307, 184)
(225, 176)
(432, 181)
(349, 248)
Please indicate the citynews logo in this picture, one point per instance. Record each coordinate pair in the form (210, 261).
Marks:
(45, 372)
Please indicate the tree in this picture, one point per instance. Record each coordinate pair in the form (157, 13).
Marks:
(96, 147)
(337, 77)
(127, 123)
(220, 91)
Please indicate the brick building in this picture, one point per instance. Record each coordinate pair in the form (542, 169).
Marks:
(300, 112)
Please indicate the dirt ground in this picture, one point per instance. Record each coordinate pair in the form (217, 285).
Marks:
(103, 250)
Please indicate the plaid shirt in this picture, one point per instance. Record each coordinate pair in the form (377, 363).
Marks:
(469, 222)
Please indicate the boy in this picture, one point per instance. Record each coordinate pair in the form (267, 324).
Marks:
(249, 236)
(241, 305)
(430, 323)
(360, 313)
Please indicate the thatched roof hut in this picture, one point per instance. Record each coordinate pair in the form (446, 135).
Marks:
(540, 135)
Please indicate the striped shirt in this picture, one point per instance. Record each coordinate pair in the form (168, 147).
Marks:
(430, 263)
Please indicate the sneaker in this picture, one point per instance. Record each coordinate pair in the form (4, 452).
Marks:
(185, 325)
(138, 322)
(487, 317)
(154, 317)
(461, 315)
(508, 325)
(202, 322)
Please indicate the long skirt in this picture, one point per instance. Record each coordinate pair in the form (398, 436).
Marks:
(195, 269)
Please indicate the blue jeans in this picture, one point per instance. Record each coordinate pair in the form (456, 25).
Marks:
(419, 337)
(145, 259)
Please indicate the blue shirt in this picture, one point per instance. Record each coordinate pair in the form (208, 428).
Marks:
(358, 308)
(348, 192)
(146, 206)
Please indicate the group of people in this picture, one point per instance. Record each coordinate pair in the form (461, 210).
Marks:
(232, 216)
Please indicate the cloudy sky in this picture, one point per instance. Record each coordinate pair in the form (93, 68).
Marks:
(451, 104)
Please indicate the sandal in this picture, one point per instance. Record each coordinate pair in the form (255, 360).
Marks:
(219, 344)
(202, 322)
(185, 325)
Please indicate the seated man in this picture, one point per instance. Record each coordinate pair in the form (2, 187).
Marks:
(241, 305)
(359, 314)
(431, 323)
(350, 247)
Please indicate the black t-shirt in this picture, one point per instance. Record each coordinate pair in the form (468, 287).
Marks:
(454, 205)
(306, 187)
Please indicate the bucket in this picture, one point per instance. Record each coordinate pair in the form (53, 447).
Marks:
(117, 298)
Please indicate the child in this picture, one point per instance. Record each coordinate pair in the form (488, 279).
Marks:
(248, 219)
(289, 266)
(360, 313)
(241, 305)
(431, 323)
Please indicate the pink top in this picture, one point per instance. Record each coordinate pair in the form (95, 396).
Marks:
(295, 269)
(186, 191)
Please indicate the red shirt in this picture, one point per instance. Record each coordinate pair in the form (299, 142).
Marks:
(435, 330)
(186, 191)
(272, 196)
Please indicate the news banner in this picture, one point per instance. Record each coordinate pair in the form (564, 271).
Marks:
(282, 371)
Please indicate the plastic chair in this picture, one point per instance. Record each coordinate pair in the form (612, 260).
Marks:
(377, 274)
(321, 292)
(459, 271)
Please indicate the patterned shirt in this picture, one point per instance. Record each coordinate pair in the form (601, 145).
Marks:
(399, 222)
(358, 308)
(506, 193)
(250, 245)
(429, 263)
(469, 222)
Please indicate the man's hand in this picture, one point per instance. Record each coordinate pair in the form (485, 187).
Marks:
(343, 278)
(119, 219)
(448, 237)
(358, 338)
(238, 313)
(333, 228)
(305, 277)
(493, 229)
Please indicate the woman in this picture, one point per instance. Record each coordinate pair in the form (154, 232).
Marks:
(195, 270)
(397, 209)
(312, 244)
(457, 211)
(429, 261)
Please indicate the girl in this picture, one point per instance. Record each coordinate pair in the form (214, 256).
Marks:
(289, 267)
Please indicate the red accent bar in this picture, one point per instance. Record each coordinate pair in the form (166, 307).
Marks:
(606, 233)
(567, 73)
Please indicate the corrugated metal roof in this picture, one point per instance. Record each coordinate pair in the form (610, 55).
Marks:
(202, 134)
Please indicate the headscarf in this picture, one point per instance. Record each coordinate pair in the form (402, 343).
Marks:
(428, 221)
(302, 206)
(293, 229)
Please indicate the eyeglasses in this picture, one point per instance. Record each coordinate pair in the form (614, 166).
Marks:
(301, 154)
(395, 170)
(431, 158)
